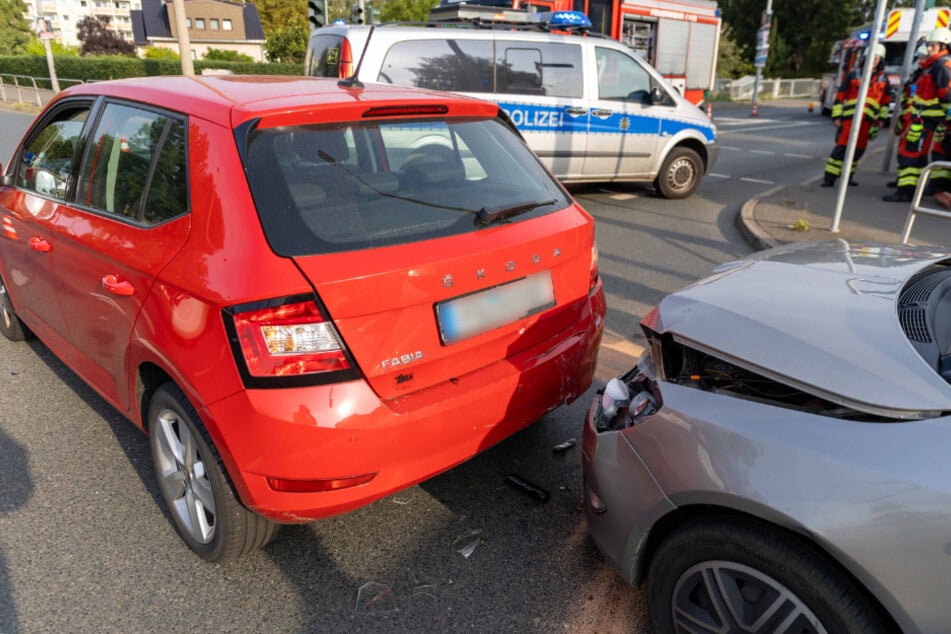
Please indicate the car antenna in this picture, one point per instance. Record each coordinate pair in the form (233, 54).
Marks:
(352, 81)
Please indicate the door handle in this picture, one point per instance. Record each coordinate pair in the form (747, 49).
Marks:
(114, 285)
(602, 113)
(575, 110)
(41, 245)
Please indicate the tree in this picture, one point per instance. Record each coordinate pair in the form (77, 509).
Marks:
(407, 10)
(15, 31)
(288, 44)
(730, 62)
(157, 52)
(280, 14)
(36, 47)
(99, 39)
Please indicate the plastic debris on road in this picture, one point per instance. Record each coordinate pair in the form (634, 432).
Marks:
(565, 446)
(518, 482)
(375, 598)
(466, 543)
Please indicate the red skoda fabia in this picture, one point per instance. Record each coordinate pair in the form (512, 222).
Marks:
(309, 295)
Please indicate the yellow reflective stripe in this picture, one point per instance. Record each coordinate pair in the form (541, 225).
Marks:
(837, 110)
(941, 173)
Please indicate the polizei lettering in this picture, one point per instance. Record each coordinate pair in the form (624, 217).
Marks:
(528, 118)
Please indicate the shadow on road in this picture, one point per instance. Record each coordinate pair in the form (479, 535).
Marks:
(16, 488)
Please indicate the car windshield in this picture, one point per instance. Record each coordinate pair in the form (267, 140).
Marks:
(326, 189)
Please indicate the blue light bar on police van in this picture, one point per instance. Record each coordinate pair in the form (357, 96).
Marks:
(575, 19)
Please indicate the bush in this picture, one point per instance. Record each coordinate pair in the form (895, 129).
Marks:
(100, 67)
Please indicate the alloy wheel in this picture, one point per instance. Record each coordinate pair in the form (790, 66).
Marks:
(184, 478)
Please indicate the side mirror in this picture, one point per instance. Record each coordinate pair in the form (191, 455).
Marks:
(8, 180)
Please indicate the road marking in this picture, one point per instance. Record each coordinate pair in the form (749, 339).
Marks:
(622, 196)
(802, 156)
(762, 152)
(711, 175)
(759, 128)
(757, 181)
(730, 147)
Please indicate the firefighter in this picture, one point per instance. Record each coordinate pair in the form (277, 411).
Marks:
(907, 90)
(929, 106)
(874, 115)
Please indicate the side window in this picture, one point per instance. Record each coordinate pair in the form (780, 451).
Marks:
(47, 159)
(135, 156)
(324, 57)
(544, 69)
(451, 65)
(621, 78)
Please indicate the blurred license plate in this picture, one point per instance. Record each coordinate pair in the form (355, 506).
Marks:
(473, 314)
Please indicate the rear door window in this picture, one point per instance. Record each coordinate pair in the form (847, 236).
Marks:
(324, 56)
(326, 189)
(540, 68)
(450, 65)
(135, 165)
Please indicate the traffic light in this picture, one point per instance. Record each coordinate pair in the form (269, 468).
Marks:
(316, 13)
(356, 14)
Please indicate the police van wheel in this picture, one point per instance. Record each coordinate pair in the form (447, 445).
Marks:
(680, 175)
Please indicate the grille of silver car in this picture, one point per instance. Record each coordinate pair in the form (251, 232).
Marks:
(913, 300)
(914, 324)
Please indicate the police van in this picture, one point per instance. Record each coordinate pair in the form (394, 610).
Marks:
(589, 107)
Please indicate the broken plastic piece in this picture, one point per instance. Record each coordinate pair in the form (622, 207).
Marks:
(526, 487)
(466, 543)
(375, 598)
(565, 446)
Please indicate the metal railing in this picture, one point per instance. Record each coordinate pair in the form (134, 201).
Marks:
(24, 89)
(742, 89)
(916, 206)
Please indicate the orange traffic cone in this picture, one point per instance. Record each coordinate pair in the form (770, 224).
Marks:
(812, 106)
(754, 113)
(709, 111)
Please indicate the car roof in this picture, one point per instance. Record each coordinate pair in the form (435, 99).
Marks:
(233, 99)
(821, 316)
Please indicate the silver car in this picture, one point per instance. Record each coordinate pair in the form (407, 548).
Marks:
(779, 459)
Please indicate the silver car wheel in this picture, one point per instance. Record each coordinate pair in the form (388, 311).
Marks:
(184, 478)
(6, 306)
(725, 596)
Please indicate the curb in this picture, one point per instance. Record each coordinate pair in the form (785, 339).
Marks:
(746, 222)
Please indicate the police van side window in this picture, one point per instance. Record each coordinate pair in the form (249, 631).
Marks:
(540, 69)
(452, 65)
(621, 78)
(324, 58)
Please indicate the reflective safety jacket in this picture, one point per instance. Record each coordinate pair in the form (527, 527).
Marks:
(876, 101)
(929, 104)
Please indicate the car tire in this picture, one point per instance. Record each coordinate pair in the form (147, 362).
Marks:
(10, 325)
(724, 574)
(198, 493)
(680, 175)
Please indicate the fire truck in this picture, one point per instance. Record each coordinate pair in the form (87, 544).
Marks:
(680, 38)
(848, 54)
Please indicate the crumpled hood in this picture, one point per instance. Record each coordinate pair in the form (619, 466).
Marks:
(819, 315)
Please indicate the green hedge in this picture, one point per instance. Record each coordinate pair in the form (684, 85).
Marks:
(101, 67)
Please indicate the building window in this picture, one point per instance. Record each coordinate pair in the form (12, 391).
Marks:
(226, 24)
(188, 23)
(200, 24)
(65, 18)
(82, 3)
(213, 24)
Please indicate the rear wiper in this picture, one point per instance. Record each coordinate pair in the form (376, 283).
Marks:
(488, 215)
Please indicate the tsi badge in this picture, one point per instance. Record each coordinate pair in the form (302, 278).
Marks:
(402, 360)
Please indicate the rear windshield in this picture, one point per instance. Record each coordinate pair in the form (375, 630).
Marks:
(324, 59)
(327, 189)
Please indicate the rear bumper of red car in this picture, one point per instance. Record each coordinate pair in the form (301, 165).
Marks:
(332, 433)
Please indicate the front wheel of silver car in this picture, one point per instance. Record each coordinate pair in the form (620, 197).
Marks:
(10, 325)
(206, 511)
(728, 575)
(681, 173)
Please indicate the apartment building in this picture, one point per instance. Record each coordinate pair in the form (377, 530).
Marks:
(217, 24)
(63, 16)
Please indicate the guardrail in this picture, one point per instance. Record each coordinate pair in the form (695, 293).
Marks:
(740, 89)
(916, 207)
(36, 88)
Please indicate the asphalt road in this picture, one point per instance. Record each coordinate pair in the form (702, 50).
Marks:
(85, 544)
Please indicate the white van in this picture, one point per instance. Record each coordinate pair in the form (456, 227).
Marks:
(589, 107)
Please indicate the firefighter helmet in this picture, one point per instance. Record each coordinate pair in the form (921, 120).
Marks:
(941, 35)
(879, 51)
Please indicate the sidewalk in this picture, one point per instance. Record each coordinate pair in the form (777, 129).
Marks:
(769, 220)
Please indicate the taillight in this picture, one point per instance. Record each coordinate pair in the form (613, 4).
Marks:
(346, 59)
(593, 277)
(286, 339)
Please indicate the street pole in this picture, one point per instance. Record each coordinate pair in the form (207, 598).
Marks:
(846, 174)
(184, 42)
(905, 72)
(759, 67)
